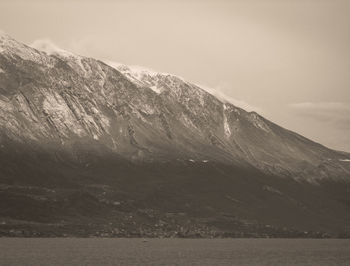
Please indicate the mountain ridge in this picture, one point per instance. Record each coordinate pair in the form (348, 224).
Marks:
(160, 101)
(153, 147)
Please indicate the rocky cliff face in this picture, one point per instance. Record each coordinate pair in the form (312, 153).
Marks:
(60, 98)
(77, 134)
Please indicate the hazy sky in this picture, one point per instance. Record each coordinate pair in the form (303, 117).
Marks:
(290, 60)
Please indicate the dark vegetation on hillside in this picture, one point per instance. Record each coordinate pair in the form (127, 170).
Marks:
(52, 194)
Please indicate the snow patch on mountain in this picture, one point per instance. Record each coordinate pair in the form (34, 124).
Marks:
(156, 89)
(136, 70)
(145, 76)
(227, 127)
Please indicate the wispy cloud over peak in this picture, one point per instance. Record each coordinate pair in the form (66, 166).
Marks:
(136, 70)
(218, 93)
(49, 47)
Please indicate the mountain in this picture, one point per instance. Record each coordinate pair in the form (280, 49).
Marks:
(89, 148)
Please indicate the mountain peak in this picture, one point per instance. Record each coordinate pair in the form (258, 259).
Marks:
(5, 40)
(144, 76)
(135, 69)
(105, 142)
(140, 113)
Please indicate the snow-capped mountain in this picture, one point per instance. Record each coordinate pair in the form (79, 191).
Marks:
(54, 96)
(74, 111)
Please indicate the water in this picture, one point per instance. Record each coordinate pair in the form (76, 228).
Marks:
(97, 251)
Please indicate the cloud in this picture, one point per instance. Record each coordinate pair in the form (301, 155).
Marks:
(335, 113)
(49, 47)
(218, 93)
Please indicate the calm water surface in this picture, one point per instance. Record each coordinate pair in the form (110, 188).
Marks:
(97, 251)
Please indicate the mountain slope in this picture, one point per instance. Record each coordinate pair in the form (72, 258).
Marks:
(155, 143)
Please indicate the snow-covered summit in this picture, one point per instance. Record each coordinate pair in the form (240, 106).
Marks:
(157, 81)
(141, 113)
(33, 51)
(135, 70)
(5, 41)
(11, 47)
(145, 76)
(51, 49)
